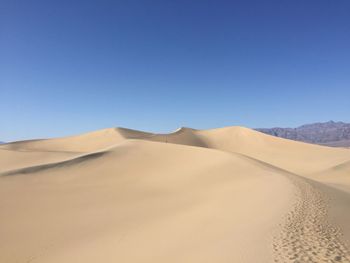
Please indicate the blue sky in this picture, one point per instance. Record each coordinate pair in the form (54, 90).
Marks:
(74, 66)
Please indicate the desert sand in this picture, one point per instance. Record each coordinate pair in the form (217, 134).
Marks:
(222, 195)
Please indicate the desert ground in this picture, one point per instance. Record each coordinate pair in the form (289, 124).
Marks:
(222, 195)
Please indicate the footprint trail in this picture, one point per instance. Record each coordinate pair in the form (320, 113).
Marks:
(306, 234)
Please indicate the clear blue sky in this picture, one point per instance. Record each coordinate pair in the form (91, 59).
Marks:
(73, 66)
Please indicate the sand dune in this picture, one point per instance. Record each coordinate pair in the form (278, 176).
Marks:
(15, 159)
(221, 195)
(337, 176)
(283, 153)
(87, 142)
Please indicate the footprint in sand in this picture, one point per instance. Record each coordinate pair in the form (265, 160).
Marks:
(306, 235)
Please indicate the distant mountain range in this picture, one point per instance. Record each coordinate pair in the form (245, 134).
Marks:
(329, 133)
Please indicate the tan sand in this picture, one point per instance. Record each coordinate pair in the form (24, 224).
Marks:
(222, 195)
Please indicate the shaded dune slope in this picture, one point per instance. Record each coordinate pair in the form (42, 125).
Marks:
(279, 152)
(188, 196)
(337, 176)
(55, 165)
(14, 159)
(21, 154)
(283, 153)
(88, 142)
(137, 196)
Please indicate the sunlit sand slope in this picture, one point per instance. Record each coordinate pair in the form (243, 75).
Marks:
(15, 159)
(291, 155)
(294, 156)
(221, 195)
(170, 203)
(87, 142)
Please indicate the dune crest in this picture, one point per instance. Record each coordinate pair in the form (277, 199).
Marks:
(121, 195)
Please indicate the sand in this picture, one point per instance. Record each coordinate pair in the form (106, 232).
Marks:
(223, 195)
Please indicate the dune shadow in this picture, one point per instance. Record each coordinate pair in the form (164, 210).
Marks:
(44, 167)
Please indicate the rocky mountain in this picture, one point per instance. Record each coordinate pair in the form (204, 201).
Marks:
(329, 133)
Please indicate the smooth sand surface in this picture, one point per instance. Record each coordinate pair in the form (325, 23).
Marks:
(221, 195)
